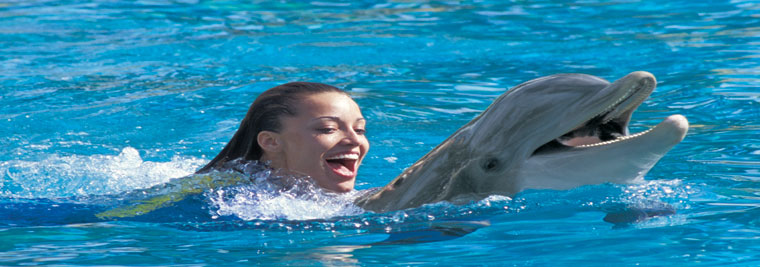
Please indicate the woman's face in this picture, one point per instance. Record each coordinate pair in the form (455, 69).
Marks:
(325, 140)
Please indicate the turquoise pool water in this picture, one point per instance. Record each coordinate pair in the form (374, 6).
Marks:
(105, 97)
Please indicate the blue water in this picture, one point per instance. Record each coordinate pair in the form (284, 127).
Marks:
(100, 98)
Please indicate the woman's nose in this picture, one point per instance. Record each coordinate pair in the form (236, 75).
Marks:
(351, 138)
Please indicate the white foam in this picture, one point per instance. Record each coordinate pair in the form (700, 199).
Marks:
(252, 202)
(62, 176)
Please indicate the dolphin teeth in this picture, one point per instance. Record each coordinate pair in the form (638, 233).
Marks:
(628, 102)
(631, 93)
(619, 139)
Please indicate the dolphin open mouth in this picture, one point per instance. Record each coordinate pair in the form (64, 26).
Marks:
(607, 127)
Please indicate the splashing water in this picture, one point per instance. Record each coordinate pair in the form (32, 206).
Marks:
(249, 190)
(63, 176)
(277, 195)
(252, 202)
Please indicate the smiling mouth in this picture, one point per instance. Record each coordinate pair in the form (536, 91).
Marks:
(344, 164)
(608, 127)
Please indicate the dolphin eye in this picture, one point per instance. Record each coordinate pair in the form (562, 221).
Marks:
(490, 164)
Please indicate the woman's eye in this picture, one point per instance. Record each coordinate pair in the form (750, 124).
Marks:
(326, 130)
(360, 131)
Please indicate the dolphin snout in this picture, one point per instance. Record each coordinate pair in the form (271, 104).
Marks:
(675, 126)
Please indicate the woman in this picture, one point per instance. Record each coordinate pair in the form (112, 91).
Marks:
(310, 128)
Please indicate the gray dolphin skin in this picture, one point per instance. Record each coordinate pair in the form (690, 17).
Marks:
(555, 132)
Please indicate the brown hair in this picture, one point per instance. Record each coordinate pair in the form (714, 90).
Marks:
(264, 115)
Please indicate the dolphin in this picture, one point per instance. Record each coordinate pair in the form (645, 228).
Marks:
(555, 132)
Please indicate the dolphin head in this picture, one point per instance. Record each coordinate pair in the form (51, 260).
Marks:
(563, 131)
(554, 132)
(538, 111)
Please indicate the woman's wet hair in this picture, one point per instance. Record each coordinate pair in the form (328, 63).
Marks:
(264, 115)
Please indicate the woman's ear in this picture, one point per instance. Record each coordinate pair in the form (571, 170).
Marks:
(269, 141)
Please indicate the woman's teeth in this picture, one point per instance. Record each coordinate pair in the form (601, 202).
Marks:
(344, 156)
(343, 164)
